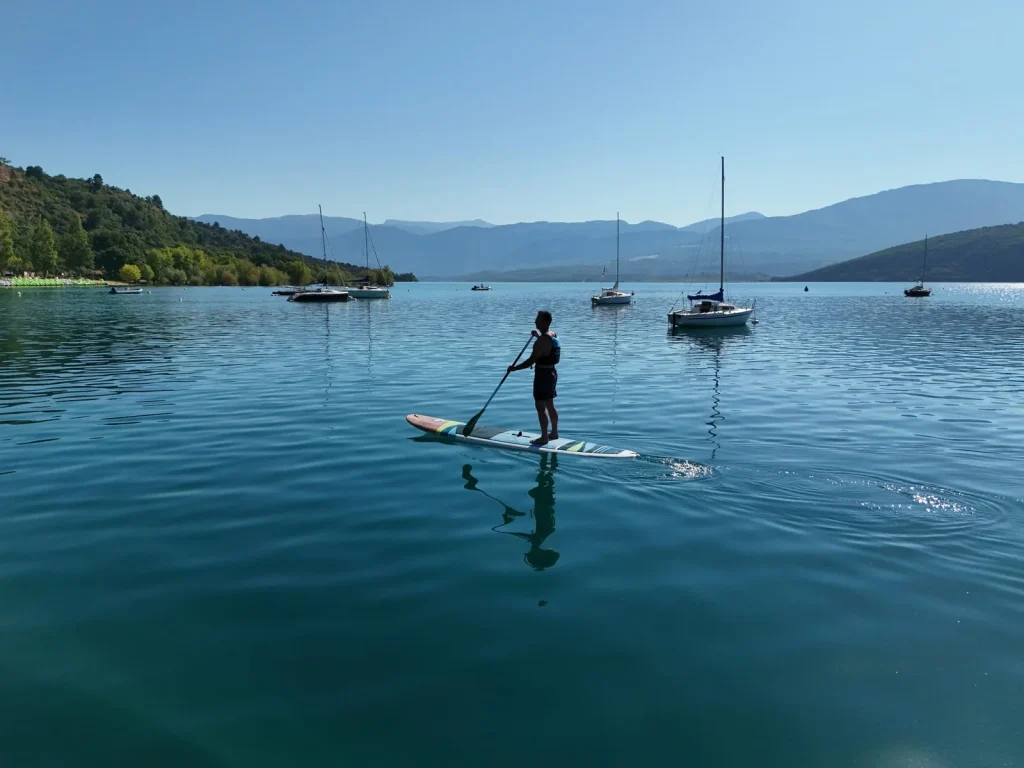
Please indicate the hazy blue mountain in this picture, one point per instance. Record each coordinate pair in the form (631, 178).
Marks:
(700, 226)
(287, 229)
(780, 245)
(426, 227)
(470, 249)
(988, 254)
(867, 224)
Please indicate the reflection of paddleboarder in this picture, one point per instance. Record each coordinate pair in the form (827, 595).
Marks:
(543, 512)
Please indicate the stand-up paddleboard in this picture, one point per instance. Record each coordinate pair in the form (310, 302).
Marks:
(513, 439)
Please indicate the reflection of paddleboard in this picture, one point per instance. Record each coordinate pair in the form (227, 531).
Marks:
(514, 440)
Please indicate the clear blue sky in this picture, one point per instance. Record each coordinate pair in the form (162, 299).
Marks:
(516, 111)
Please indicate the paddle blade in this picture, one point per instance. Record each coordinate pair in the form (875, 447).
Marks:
(471, 424)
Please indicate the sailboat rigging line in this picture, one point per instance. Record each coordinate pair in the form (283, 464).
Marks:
(700, 249)
(374, 248)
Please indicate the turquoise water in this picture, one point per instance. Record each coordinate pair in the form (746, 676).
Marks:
(221, 544)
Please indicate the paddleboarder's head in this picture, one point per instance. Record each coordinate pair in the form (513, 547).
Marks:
(543, 321)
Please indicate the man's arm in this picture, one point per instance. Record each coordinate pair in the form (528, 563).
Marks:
(541, 348)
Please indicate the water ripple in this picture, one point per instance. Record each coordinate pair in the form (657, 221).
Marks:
(216, 522)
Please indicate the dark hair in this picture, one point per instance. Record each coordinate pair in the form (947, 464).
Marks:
(545, 315)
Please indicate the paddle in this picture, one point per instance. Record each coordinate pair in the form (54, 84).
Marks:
(471, 424)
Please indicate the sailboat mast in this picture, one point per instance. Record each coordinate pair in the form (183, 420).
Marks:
(924, 262)
(323, 234)
(366, 242)
(616, 250)
(721, 237)
(323, 241)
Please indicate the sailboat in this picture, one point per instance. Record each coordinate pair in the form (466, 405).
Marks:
(369, 291)
(919, 291)
(711, 310)
(322, 293)
(613, 295)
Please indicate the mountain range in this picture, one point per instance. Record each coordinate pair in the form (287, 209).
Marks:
(756, 244)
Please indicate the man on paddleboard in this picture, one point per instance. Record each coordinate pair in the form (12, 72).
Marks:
(546, 354)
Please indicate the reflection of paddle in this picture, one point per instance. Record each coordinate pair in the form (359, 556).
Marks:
(471, 424)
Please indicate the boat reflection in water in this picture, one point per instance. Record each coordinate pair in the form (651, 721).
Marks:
(712, 340)
(543, 512)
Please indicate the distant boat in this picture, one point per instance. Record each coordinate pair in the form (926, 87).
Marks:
(287, 291)
(711, 310)
(369, 291)
(919, 291)
(322, 293)
(481, 287)
(613, 295)
(125, 291)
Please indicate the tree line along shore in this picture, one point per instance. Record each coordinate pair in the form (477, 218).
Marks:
(85, 231)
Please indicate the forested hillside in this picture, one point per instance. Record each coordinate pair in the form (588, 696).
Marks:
(57, 225)
(988, 254)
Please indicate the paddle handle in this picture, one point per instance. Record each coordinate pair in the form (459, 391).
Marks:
(506, 374)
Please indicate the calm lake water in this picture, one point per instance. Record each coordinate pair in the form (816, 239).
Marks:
(221, 544)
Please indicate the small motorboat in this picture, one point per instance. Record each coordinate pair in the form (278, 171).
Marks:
(125, 291)
(287, 291)
(481, 287)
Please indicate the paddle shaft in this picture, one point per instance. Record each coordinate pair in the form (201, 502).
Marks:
(472, 422)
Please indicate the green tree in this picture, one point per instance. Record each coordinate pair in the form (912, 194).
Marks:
(334, 277)
(383, 276)
(147, 272)
(227, 277)
(248, 273)
(161, 261)
(129, 273)
(299, 273)
(74, 247)
(96, 183)
(6, 240)
(176, 277)
(43, 248)
(112, 249)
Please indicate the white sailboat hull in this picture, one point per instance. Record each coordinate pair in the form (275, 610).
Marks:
(689, 318)
(374, 292)
(612, 297)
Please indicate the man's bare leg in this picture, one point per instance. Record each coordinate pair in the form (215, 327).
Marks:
(553, 414)
(542, 417)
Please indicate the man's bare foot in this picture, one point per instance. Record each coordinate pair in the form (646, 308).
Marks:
(542, 440)
(553, 436)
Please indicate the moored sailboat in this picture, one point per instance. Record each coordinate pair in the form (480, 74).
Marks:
(322, 293)
(711, 310)
(368, 290)
(613, 295)
(919, 291)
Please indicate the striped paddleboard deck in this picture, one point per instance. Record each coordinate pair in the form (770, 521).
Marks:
(513, 439)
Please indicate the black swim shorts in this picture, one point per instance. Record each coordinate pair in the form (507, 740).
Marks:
(545, 383)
